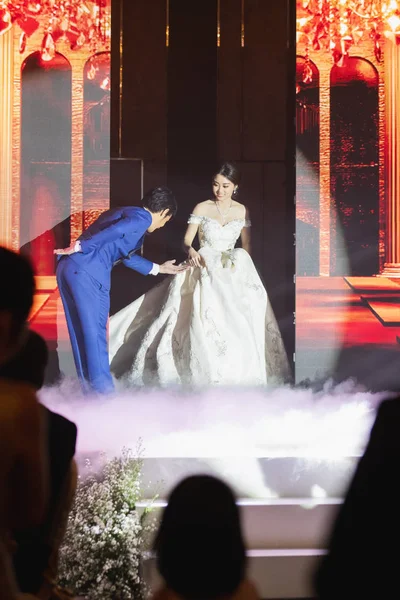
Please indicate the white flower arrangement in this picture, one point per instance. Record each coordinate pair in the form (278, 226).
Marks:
(101, 554)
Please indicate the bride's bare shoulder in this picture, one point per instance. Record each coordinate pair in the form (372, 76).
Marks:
(240, 209)
(201, 209)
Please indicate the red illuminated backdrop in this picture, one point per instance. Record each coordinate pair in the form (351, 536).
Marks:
(54, 84)
(348, 202)
(55, 134)
(55, 113)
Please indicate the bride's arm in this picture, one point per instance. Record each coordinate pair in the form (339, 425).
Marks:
(194, 258)
(192, 229)
(190, 234)
(245, 236)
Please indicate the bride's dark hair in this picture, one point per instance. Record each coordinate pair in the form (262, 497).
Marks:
(230, 171)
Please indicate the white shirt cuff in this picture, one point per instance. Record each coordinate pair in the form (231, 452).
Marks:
(155, 269)
(77, 246)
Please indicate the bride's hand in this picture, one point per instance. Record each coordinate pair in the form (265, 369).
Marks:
(195, 259)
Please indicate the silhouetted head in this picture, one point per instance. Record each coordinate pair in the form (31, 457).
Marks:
(16, 298)
(199, 546)
(30, 362)
(162, 205)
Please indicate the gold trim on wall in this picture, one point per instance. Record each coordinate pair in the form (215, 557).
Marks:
(324, 172)
(6, 120)
(77, 149)
(77, 60)
(391, 266)
(121, 74)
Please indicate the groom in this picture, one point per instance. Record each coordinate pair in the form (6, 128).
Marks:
(84, 277)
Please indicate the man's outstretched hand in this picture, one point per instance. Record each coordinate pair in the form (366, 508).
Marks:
(66, 251)
(170, 268)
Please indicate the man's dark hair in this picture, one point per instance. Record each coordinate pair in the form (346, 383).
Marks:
(199, 546)
(159, 199)
(29, 365)
(17, 287)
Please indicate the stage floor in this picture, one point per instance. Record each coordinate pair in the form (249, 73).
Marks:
(341, 309)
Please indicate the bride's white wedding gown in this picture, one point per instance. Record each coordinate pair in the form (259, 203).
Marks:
(208, 326)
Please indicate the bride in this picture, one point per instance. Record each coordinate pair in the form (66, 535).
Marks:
(212, 324)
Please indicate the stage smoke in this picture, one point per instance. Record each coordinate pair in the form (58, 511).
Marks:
(219, 423)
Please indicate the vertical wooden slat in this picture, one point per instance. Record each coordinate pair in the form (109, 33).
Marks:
(229, 85)
(144, 91)
(264, 80)
(126, 181)
(154, 174)
(251, 195)
(192, 82)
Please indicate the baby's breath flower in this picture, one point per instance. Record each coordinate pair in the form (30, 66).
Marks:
(105, 540)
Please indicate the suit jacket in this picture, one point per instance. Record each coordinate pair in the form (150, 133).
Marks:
(362, 559)
(113, 238)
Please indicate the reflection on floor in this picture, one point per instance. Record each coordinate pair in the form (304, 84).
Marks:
(349, 327)
(329, 308)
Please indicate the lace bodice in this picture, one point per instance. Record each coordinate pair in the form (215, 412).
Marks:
(217, 236)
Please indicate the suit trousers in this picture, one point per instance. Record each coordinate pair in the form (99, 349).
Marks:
(86, 304)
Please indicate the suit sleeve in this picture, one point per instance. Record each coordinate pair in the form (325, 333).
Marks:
(112, 231)
(139, 264)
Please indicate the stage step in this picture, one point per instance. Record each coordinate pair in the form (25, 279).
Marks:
(386, 310)
(290, 524)
(278, 574)
(285, 539)
(262, 478)
(373, 285)
(39, 300)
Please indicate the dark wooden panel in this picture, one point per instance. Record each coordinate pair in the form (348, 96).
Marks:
(229, 85)
(144, 89)
(276, 219)
(278, 248)
(265, 80)
(251, 195)
(154, 174)
(192, 75)
(125, 182)
(192, 105)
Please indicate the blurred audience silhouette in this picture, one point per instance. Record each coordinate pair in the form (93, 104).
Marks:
(199, 546)
(362, 552)
(37, 471)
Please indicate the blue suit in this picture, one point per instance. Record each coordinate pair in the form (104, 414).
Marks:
(84, 283)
